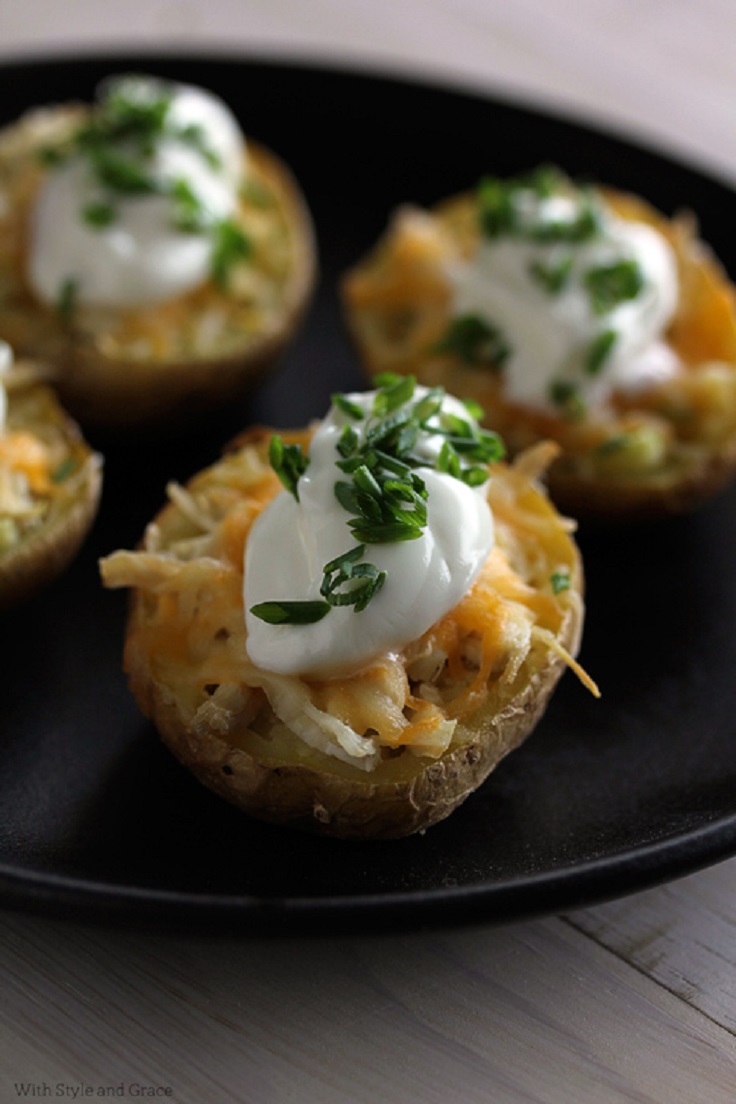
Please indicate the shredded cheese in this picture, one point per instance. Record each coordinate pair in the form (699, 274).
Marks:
(397, 303)
(189, 624)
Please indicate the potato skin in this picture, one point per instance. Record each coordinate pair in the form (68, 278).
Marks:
(676, 492)
(692, 420)
(317, 800)
(111, 390)
(47, 551)
(290, 784)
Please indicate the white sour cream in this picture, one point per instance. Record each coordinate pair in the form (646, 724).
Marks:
(292, 541)
(140, 256)
(549, 335)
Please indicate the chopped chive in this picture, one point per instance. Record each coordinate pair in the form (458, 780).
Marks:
(194, 135)
(474, 341)
(502, 209)
(387, 379)
(360, 581)
(430, 405)
(347, 406)
(348, 442)
(190, 214)
(230, 245)
(545, 181)
(365, 481)
(347, 496)
(125, 114)
(599, 350)
(475, 477)
(67, 301)
(458, 427)
(391, 463)
(384, 434)
(560, 581)
(553, 278)
(617, 443)
(474, 409)
(122, 173)
(64, 470)
(496, 210)
(584, 225)
(289, 463)
(341, 563)
(392, 395)
(448, 460)
(290, 613)
(384, 532)
(50, 156)
(568, 398)
(609, 285)
(384, 496)
(98, 215)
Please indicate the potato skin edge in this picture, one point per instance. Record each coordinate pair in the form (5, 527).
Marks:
(109, 393)
(114, 394)
(323, 803)
(648, 497)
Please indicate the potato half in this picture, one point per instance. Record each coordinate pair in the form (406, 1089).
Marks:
(170, 362)
(480, 678)
(659, 452)
(45, 520)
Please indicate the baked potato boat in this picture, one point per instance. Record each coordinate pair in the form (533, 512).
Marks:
(484, 291)
(160, 357)
(379, 751)
(50, 484)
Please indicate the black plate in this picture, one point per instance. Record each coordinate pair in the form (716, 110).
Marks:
(97, 820)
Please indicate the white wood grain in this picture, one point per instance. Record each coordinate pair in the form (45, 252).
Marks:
(535, 1012)
(683, 935)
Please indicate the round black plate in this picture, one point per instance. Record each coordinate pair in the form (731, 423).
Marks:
(97, 820)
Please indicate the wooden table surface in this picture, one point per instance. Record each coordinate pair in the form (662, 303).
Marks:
(632, 1000)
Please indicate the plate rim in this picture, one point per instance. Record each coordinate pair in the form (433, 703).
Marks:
(515, 898)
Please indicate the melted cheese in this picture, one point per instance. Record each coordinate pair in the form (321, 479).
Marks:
(190, 628)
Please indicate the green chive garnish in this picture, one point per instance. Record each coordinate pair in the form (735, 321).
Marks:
(348, 407)
(67, 301)
(560, 581)
(289, 463)
(230, 245)
(609, 285)
(568, 398)
(383, 495)
(98, 215)
(291, 613)
(553, 278)
(64, 470)
(474, 341)
(599, 350)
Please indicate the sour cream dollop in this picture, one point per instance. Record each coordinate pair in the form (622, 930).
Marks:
(292, 541)
(580, 312)
(120, 246)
